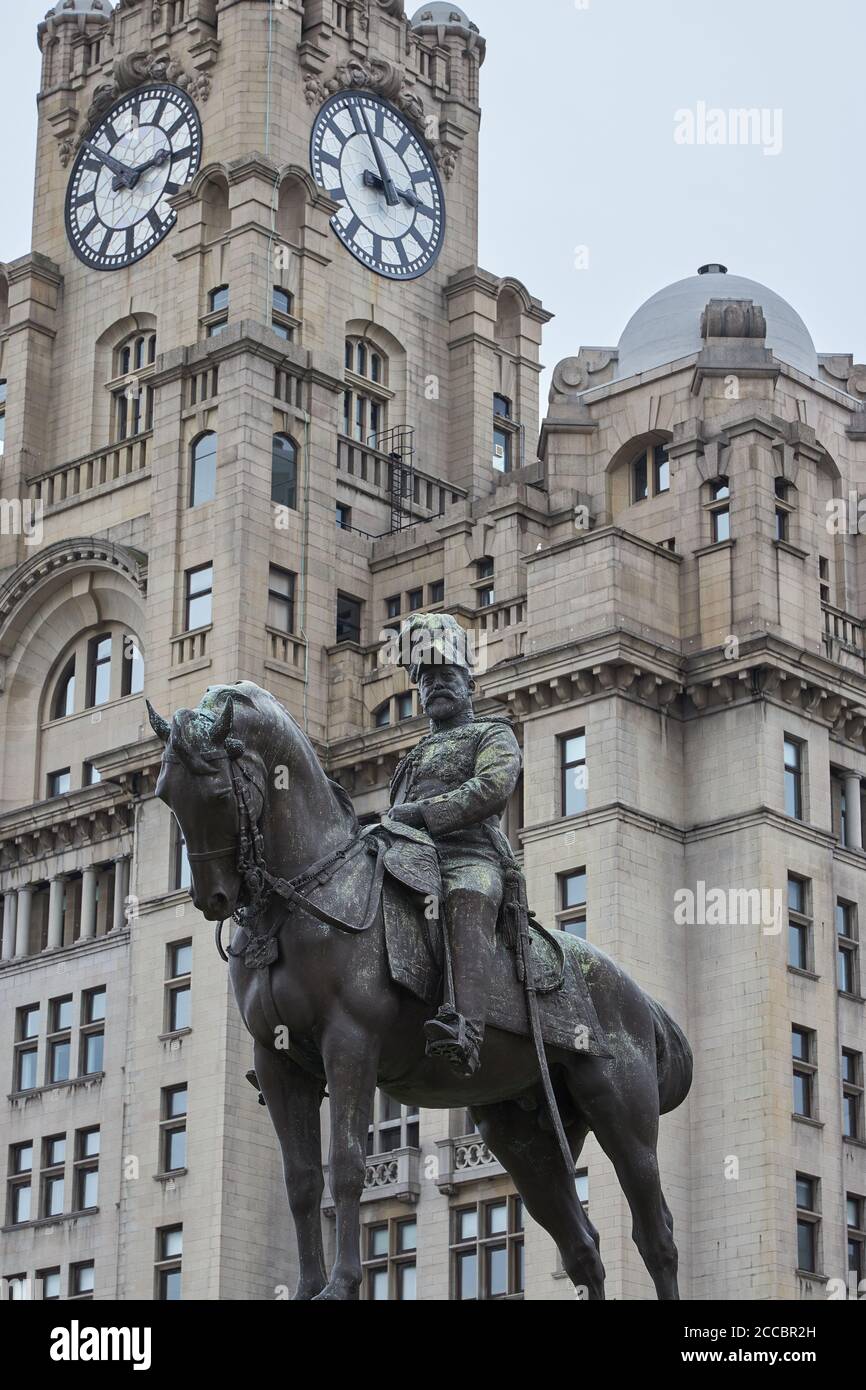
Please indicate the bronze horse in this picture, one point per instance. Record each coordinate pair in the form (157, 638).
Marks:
(256, 807)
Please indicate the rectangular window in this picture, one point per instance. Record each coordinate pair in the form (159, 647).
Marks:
(390, 1263)
(52, 1177)
(852, 1094)
(173, 1129)
(98, 670)
(59, 783)
(487, 1251)
(169, 1255)
(393, 606)
(281, 318)
(344, 517)
(394, 1126)
(19, 1197)
(486, 597)
(805, 1071)
(437, 591)
(48, 1284)
(82, 1280)
(348, 619)
(848, 948)
(59, 1039)
(793, 778)
(415, 600)
(799, 923)
(218, 311)
(721, 524)
(198, 609)
(808, 1224)
(178, 987)
(571, 916)
(26, 1047)
(181, 876)
(502, 450)
(92, 1031)
(572, 761)
(782, 524)
(281, 599)
(86, 1169)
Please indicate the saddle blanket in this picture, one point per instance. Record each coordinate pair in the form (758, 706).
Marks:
(567, 1013)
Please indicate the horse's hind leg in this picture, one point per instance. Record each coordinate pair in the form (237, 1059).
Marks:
(534, 1160)
(626, 1126)
(294, 1101)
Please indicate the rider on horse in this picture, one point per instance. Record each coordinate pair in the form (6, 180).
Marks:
(455, 785)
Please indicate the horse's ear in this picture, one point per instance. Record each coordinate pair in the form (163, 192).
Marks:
(222, 726)
(160, 727)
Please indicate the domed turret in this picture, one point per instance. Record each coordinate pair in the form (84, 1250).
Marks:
(99, 9)
(668, 326)
(441, 15)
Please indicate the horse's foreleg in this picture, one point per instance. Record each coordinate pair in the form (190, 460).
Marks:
(294, 1101)
(351, 1058)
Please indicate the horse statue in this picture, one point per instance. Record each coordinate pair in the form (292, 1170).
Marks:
(276, 845)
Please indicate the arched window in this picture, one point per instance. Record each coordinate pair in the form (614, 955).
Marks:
(284, 472)
(202, 486)
(364, 409)
(132, 398)
(63, 703)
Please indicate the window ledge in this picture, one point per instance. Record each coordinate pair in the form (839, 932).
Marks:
(858, 1143)
(807, 1120)
(854, 998)
(42, 1222)
(803, 974)
(791, 549)
(810, 1274)
(711, 549)
(178, 1033)
(74, 1081)
(170, 1176)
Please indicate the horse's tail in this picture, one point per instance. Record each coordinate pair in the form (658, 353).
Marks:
(673, 1060)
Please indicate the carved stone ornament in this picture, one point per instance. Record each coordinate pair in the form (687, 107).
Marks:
(130, 71)
(733, 318)
(386, 79)
(844, 369)
(574, 375)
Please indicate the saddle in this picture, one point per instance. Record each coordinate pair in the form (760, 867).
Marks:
(411, 895)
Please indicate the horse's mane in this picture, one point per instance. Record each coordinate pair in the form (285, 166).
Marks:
(269, 707)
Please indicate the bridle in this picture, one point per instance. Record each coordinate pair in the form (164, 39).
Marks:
(260, 885)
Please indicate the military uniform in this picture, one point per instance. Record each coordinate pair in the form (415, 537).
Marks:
(461, 779)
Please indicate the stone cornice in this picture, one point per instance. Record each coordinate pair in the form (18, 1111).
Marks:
(85, 552)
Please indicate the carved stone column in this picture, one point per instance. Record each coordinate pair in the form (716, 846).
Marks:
(22, 932)
(55, 912)
(10, 917)
(88, 904)
(853, 817)
(121, 881)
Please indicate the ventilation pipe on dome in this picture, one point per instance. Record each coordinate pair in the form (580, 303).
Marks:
(712, 269)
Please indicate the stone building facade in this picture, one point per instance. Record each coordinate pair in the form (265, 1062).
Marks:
(247, 454)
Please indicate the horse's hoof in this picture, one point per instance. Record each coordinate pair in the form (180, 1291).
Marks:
(338, 1291)
(307, 1294)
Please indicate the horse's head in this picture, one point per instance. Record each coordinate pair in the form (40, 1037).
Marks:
(214, 777)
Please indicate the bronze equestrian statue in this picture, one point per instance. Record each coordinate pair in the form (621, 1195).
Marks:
(337, 967)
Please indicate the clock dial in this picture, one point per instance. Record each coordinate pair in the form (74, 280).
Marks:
(367, 157)
(141, 153)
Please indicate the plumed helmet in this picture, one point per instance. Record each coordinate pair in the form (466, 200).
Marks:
(434, 639)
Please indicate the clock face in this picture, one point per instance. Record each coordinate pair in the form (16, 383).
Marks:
(141, 153)
(368, 158)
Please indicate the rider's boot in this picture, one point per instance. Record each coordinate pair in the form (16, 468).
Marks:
(456, 1033)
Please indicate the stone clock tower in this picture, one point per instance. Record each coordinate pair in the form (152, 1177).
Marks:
(256, 387)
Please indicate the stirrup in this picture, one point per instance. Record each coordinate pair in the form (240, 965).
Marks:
(453, 1039)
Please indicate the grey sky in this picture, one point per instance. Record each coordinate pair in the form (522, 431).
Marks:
(587, 157)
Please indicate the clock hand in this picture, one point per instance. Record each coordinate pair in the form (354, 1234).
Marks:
(122, 171)
(387, 181)
(160, 158)
(372, 180)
